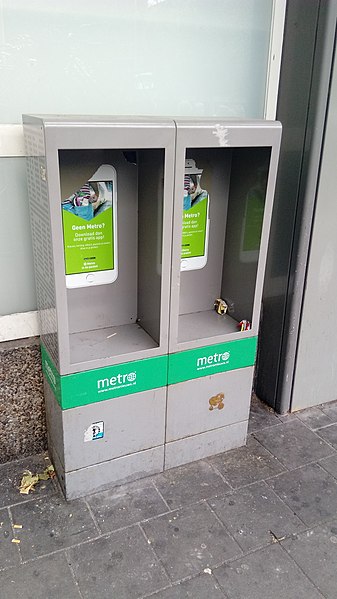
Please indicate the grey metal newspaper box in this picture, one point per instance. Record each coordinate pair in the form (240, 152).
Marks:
(224, 186)
(150, 240)
(101, 195)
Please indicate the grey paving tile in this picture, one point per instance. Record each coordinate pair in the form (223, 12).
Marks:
(51, 523)
(11, 475)
(265, 574)
(254, 514)
(189, 540)
(46, 578)
(330, 409)
(313, 417)
(260, 415)
(120, 566)
(126, 505)
(293, 444)
(315, 551)
(287, 417)
(247, 464)
(189, 484)
(330, 465)
(201, 587)
(309, 491)
(9, 553)
(329, 433)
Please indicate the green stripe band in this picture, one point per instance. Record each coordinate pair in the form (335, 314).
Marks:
(212, 359)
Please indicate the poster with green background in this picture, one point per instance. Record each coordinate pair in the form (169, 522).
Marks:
(88, 244)
(194, 230)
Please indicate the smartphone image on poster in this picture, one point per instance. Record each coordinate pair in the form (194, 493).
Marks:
(195, 226)
(89, 221)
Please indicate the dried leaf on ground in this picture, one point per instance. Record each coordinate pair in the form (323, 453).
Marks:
(29, 480)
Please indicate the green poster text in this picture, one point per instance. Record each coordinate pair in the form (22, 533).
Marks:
(194, 230)
(88, 245)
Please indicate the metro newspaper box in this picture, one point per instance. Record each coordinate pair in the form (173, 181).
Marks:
(150, 238)
(101, 194)
(218, 263)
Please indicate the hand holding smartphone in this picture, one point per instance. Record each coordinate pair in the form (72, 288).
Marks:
(89, 220)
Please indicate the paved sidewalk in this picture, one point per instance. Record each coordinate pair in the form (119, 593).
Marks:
(259, 522)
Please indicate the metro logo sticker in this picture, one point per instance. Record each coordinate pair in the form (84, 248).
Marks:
(203, 361)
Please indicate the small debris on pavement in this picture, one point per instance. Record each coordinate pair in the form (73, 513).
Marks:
(30, 480)
(17, 541)
(275, 538)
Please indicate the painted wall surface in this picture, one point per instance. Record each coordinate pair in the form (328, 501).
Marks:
(130, 57)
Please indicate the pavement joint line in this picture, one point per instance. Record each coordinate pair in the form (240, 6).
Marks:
(258, 480)
(315, 431)
(155, 592)
(263, 428)
(98, 528)
(72, 546)
(174, 584)
(299, 467)
(270, 453)
(156, 557)
(326, 471)
(220, 585)
(116, 530)
(334, 476)
(29, 500)
(223, 525)
(10, 515)
(160, 495)
(249, 551)
(334, 451)
(218, 564)
(322, 438)
(217, 471)
(304, 573)
(287, 537)
(67, 558)
(196, 573)
(285, 504)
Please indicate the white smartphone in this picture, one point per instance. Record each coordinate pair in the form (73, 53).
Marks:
(89, 220)
(195, 228)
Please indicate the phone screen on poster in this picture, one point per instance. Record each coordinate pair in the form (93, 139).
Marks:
(89, 233)
(195, 225)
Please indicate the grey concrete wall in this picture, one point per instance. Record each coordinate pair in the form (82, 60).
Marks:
(22, 414)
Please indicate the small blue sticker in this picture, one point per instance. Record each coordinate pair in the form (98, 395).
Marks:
(94, 431)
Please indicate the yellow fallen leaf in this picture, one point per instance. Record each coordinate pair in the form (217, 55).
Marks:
(51, 471)
(28, 483)
(29, 480)
(48, 472)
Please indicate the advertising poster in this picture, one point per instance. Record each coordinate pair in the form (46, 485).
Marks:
(87, 217)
